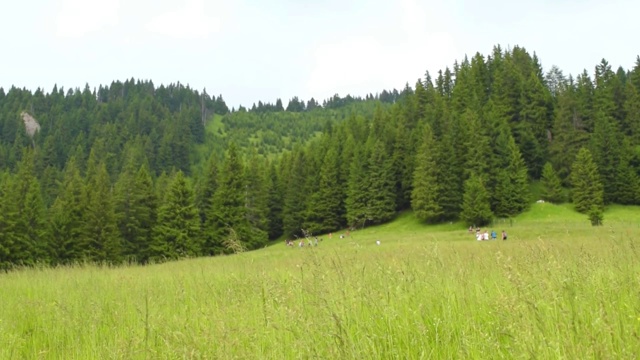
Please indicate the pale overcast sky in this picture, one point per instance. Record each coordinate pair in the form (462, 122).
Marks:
(251, 50)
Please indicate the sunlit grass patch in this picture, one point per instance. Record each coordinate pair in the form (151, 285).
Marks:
(558, 288)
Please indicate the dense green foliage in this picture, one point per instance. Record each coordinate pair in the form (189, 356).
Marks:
(552, 187)
(587, 187)
(133, 172)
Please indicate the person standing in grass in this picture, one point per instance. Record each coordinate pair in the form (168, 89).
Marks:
(504, 235)
(493, 235)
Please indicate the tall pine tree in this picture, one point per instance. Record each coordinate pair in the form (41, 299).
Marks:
(102, 238)
(67, 218)
(177, 233)
(325, 212)
(476, 208)
(425, 195)
(551, 185)
(587, 191)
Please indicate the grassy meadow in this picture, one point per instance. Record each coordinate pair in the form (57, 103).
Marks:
(557, 289)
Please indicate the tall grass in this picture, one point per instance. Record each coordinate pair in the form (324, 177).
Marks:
(557, 289)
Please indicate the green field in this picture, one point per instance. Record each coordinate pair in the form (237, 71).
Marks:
(557, 289)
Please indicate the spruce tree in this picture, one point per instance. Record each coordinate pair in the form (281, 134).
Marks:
(381, 193)
(606, 152)
(569, 132)
(587, 191)
(476, 145)
(206, 189)
(7, 221)
(450, 183)
(326, 209)
(274, 201)
(476, 208)
(26, 205)
(358, 186)
(632, 111)
(230, 207)
(596, 215)
(628, 184)
(33, 222)
(425, 195)
(551, 186)
(126, 221)
(403, 164)
(535, 114)
(294, 194)
(177, 233)
(511, 191)
(146, 206)
(67, 218)
(101, 231)
(136, 212)
(256, 200)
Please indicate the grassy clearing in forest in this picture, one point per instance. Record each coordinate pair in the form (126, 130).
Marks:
(558, 288)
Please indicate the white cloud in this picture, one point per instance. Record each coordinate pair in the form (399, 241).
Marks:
(346, 64)
(77, 18)
(189, 21)
(363, 64)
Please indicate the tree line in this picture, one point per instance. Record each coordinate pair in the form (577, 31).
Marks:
(463, 145)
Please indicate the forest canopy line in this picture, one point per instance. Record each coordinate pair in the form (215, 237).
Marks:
(138, 173)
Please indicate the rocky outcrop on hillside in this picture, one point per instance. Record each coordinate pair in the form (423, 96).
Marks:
(30, 123)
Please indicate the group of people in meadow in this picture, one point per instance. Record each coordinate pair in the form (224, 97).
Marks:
(484, 236)
(314, 242)
(301, 244)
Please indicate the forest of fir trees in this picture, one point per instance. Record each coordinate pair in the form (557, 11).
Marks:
(464, 145)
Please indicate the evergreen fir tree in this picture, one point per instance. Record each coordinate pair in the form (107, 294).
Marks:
(628, 184)
(358, 187)
(606, 152)
(178, 229)
(33, 222)
(67, 218)
(631, 123)
(25, 205)
(274, 202)
(476, 208)
(146, 206)
(326, 209)
(551, 186)
(569, 133)
(403, 163)
(476, 145)
(101, 231)
(535, 114)
(294, 196)
(596, 215)
(256, 200)
(136, 212)
(230, 212)
(207, 187)
(449, 178)
(381, 203)
(510, 177)
(7, 221)
(425, 195)
(587, 191)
